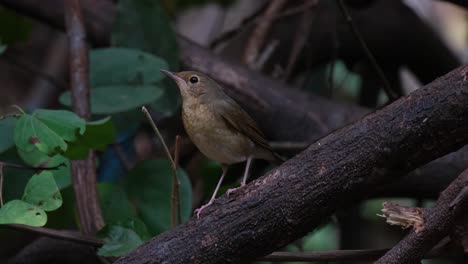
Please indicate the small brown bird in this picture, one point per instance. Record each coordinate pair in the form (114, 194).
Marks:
(218, 126)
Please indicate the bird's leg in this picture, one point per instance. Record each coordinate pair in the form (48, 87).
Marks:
(244, 179)
(213, 197)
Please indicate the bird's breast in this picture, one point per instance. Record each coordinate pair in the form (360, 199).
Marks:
(213, 137)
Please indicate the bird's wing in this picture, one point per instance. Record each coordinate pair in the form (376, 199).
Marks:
(239, 120)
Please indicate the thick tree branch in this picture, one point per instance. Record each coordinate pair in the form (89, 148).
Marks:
(294, 198)
(438, 221)
(83, 171)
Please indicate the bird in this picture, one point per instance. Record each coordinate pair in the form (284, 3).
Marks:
(219, 127)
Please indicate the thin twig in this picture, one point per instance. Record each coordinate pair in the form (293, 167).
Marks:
(257, 38)
(265, 55)
(175, 197)
(336, 255)
(22, 167)
(176, 181)
(300, 39)
(386, 85)
(59, 234)
(156, 130)
(255, 19)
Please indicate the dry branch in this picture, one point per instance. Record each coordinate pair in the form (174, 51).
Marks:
(83, 171)
(255, 43)
(293, 199)
(404, 216)
(438, 221)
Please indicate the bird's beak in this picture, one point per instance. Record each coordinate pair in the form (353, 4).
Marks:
(173, 76)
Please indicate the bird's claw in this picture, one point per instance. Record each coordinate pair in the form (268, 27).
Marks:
(199, 210)
(232, 190)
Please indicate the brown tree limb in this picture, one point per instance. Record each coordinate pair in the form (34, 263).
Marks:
(438, 221)
(83, 171)
(294, 198)
(66, 235)
(257, 38)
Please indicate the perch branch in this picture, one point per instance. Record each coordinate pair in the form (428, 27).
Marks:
(294, 198)
(438, 221)
(83, 171)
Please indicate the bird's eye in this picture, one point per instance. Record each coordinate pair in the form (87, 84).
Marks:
(194, 79)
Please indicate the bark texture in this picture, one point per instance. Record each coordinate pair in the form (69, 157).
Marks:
(438, 221)
(296, 197)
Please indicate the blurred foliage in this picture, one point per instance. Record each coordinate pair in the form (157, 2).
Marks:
(13, 27)
(2, 48)
(7, 127)
(122, 80)
(143, 24)
(149, 185)
(345, 84)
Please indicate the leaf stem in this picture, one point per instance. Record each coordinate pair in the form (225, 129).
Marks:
(175, 197)
(156, 130)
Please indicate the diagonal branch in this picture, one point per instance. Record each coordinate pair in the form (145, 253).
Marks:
(83, 171)
(294, 198)
(438, 221)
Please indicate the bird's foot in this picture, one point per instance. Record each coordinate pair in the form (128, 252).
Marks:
(233, 190)
(199, 210)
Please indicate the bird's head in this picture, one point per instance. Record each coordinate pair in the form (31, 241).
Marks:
(194, 85)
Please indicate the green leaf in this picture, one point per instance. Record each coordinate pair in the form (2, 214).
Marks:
(2, 48)
(20, 212)
(119, 241)
(65, 123)
(47, 130)
(150, 185)
(99, 134)
(119, 66)
(31, 132)
(43, 192)
(114, 203)
(7, 128)
(62, 175)
(116, 99)
(142, 24)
